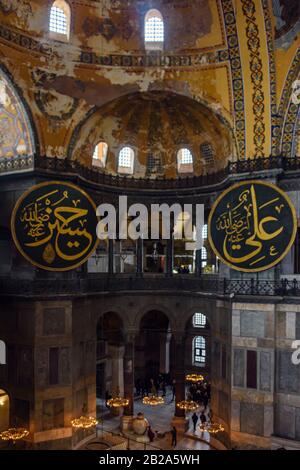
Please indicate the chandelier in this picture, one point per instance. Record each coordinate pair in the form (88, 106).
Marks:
(14, 434)
(154, 400)
(187, 405)
(194, 378)
(211, 428)
(84, 422)
(117, 402)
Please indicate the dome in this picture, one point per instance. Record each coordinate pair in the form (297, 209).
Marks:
(157, 125)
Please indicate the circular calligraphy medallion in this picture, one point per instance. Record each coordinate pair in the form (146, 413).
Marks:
(252, 226)
(54, 224)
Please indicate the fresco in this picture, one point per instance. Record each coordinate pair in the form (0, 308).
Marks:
(15, 138)
(287, 16)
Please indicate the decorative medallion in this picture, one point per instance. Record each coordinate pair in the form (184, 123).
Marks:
(252, 226)
(53, 226)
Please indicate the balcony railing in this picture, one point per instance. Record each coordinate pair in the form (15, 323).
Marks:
(122, 283)
(96, 175)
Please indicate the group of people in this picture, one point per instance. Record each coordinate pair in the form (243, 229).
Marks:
(202, 418)
(200, 393)
(152, 386)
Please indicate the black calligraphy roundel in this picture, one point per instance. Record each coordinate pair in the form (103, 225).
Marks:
(252, 226)
(54, 225)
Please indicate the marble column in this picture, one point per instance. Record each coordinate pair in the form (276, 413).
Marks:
(117, 354)
(164, 359)
(128, 380)
(179, 420)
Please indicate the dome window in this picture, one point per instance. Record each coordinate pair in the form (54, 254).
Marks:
(154, 30)
(60, 19)
(185, 161)
(100, 154)
(207, 153)
(126, 161)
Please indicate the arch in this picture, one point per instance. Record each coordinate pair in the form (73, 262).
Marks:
(154, 307)
(16, 122)
(131, 114)
(60, 20)
(4, 410)
(154, 30)
(287, 110)
(110, 326)
(152, 354)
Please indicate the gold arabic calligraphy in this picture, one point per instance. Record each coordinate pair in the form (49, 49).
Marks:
(245, 227)
(48, 222)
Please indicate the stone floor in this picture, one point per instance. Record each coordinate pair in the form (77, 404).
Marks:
(159, 418)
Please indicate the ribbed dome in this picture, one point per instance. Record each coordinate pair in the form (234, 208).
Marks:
(157, 125)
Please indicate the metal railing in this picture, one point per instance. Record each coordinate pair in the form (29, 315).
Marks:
(94, 284)
(96, 175)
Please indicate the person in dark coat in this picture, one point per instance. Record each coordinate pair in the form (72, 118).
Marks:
(174, 437)
(195, 420)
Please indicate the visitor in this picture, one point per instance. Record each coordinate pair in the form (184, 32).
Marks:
(202, 417)
(195, 420)
(174, 437)
(151, 434)
(173, 391)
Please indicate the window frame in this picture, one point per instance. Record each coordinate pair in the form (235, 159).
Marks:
(200, 325)
(96, 161)
(65, 6)
(154, 45)
(201, 351)
(124, 170)
(184, 167)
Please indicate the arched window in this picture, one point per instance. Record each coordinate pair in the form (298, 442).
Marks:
(203, 257)
(199, 351)
(154, 30)
(207, 153)
(60, 19)
(126, 160)
(199, 320)
(100, 154)
(185, 160)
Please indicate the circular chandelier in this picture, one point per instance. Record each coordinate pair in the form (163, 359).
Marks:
(194, 378)
(117, 402)
(84, 422)
(187, 405)
(211, 428)
(14, 434)
(154, 400)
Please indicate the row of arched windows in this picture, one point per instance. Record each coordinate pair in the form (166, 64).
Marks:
(199, 342)
(60, 25)
(185, 160)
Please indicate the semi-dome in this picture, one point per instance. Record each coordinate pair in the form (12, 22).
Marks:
(167, 134)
